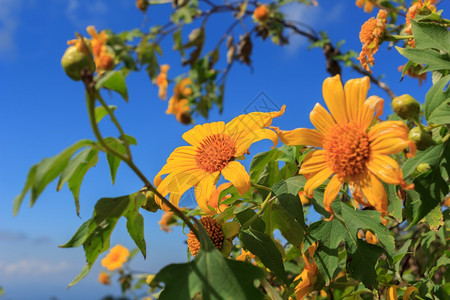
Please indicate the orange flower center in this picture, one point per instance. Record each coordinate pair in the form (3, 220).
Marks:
(215, 152)
(347, 150)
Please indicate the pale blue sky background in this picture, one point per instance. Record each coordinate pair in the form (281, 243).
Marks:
(43, 112)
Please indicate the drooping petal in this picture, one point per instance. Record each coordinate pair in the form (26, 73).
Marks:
(333, 94)
(235, 173)
(257, 135)
(315, 180)
(321, 119)
(300, 136)
(196, 135)
(204, 189)
(242, 126)
(376, 104)
(373, 190)
(355, 95)
(387, 169)
(314, 162)
(331, 192)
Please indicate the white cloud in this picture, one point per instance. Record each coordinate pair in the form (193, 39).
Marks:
(32, 268)
(9, 21)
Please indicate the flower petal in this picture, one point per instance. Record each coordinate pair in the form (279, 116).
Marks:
(321, 119)
(242, 126)
(333, 94)
(387, 169)
(355, 95)
(389, 137)
(238, 176)
(300, 136)
(196, 135)
(314, 162)
(315, 180)
(373, 190)
(331, 192)
(259, 134)
(204, 189)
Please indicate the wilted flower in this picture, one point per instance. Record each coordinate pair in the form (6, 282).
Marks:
(371, 32)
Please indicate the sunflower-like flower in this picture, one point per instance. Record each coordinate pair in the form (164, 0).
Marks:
(115, 258)
(214, 148)
(308, 276)
(178, 104)
(371, 32)
(368, 5)
(162, 82)
(103, 57)
(214, 201)
(352, 150)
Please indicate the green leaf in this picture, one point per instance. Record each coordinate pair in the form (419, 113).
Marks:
(261, 160)
(113, 80)
(280, 219)
(433, 60)
(430, 35)
(430, 156)
(135, 222)
(101, 112)
(354, 220)
(262, 245)
(363, 258)
(437, 102)
(94, 234)
(287, 195)
(400, 254)
(114, 161)
(41, 174)
(249, 214)
(75, 171)
(329, 235)
(211, 274)
(395, 207)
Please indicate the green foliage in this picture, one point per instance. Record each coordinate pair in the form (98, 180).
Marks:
(115, 81)
(437, 103)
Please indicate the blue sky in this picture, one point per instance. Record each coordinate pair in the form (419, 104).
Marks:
(44, 112)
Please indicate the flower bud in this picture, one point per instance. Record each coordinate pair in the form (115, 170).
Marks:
(406, 107)
(74, 61)
(421, 137)
(423, 167)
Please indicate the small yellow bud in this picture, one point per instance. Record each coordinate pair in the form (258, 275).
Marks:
(421, 137)
(406, 107)
(423, 167)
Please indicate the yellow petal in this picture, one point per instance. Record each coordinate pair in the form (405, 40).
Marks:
(196, 135)
(244, 143)
(300, 136)
(389, 137)
(238, 176)
(243, 125)
(409, 291)
(391, 293)
(204, 189)
(333, 94)
(373, 190)
(321, 119)
(355, 95)
(314, 162)
(317, 179)
(387, 169)
(331, 192)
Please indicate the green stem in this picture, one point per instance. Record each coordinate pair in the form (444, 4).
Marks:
(90, 101)
(262, 187)
(116, 122)
(446, 137)
(263, 207)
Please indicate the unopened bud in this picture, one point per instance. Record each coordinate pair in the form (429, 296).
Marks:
(406, 107)
(421, 137)
(74, 61)
(423, 167)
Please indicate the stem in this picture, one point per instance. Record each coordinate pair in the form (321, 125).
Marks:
(90, 101)
(255, 185)
(263, 207)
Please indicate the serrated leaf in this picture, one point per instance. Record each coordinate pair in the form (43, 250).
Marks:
(114, 161)
(113, 80)
(437, 102)
(433, 60)
(101, 112)
(47, 170)
(430, 156)
(329, 234)
(430, 35)
(262, 245)
(94, 234)
(395, 207)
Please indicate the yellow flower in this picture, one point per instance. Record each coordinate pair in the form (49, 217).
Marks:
(370, 237)
(162, 82)
(104, 278)
(102, 57)
(115, 258)
(351, 151)
(214, 198)
(261, 13)
(178, 104)
(246, 256)
(167, 219)
(308, 276)
(370, 34)
(368, 5)
(214, 148)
